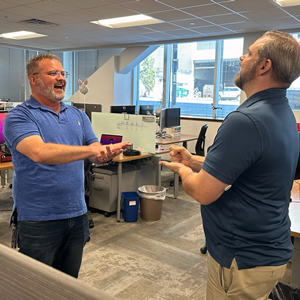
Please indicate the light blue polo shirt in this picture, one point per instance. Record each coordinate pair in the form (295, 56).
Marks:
(256, 150)
(41, 191)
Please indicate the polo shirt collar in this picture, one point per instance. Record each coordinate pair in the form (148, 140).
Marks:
(31, 102)
(274, 93)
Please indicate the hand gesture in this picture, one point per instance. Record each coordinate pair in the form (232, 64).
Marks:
(108, 152)
(180, 155)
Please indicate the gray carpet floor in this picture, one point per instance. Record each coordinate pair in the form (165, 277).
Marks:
(142, 260)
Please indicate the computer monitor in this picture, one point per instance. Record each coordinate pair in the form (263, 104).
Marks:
(119, 109)
(88, 108)
(169, 117)
(146, 109)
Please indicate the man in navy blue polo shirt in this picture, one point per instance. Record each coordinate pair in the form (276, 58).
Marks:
(49, 142)
(245, 180)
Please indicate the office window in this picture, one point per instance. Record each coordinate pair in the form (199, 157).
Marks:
(150, 79)
(293, 92)
(202, 77)
(12, 77)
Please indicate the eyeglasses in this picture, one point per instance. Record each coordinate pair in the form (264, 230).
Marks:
(55, 73)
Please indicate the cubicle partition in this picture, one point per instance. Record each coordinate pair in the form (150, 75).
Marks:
(138, 129)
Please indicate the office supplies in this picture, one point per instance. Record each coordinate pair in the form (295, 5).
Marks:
(131, 152)
(107, 139)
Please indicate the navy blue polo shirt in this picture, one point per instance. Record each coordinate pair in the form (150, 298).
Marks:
(256, 151)
(41, 191)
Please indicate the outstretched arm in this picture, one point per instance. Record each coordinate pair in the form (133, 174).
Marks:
(202, 186)
(50, 153)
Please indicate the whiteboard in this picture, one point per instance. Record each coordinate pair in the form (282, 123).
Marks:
(137, 129)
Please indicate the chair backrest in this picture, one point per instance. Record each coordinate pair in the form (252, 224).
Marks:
(199, 149)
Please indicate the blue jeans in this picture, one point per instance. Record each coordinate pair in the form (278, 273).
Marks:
(57, 243)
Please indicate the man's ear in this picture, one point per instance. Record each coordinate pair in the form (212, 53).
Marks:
(265, 66)
(32, 79)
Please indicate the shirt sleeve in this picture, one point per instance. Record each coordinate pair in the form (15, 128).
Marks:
(236, 147)
(17, 126)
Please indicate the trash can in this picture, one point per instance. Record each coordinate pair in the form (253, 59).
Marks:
(151, 201)
(130, 206)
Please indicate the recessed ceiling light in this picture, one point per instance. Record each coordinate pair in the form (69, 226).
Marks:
(136, 20)
(19, 35)
(285, 3)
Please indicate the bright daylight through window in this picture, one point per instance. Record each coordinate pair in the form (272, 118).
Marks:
(199, 80)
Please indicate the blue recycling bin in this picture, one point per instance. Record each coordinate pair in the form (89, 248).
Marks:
(130, 206)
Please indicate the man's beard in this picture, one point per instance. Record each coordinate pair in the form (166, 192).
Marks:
(241, 79)
(49, 92)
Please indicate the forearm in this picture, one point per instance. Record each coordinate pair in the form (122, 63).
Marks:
(196, 162)
(50, 153)
(61, 154)
(202, 186)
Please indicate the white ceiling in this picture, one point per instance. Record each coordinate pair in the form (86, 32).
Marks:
(183, 19)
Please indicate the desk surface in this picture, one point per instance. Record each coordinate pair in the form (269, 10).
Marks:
(294, 213)
(122, 158)
(6, 165)
(176, 139)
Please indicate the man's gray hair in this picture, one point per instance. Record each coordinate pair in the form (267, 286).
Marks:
(33, 64)
(284, 52)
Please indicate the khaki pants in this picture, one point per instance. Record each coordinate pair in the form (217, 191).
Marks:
(234, 284)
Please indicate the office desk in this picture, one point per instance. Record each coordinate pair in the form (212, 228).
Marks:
(163, 147)
(6, 166)
(294, 213)
(182, 138)
(122, 158)
(3, 167)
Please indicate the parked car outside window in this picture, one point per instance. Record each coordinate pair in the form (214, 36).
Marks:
(230, 93)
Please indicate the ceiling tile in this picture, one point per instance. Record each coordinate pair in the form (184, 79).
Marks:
(4, 5)
(244, 25)
(162, 26)
(60, 20)
(86, 16)
(146, 6)
(171, 15)
(184, 3)
(190, 23)
(207, 10)
(243, 5)
(208, 29)
(26, 12)
(23, 2)
(49, 6)
(86, 4)
(294, 10)
(288, 21)
(181, 32)
(223, 19)
(111, 11)
(265, 13)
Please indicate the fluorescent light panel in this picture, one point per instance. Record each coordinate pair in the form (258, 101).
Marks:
(136, 20)
(285, 3)
(20, 35)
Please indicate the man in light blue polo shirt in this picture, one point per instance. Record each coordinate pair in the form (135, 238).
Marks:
(49, 141)
(245, 180)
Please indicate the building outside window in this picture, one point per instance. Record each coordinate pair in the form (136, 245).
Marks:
(293, 93)
(150, 74)
(197, 71)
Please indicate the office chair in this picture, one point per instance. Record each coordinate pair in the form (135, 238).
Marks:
(199, 149)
